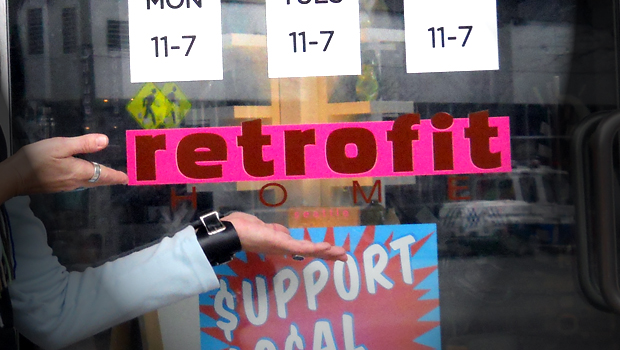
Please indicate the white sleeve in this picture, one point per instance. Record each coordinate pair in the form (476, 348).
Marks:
(54, 308)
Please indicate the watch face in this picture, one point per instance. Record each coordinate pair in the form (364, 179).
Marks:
(212, 223)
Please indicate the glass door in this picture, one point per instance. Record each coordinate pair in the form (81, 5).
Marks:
(505, 254)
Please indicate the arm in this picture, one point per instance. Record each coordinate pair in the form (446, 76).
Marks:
(55, 308)
(49, 166)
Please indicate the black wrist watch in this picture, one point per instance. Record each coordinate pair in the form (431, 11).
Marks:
(218, 239)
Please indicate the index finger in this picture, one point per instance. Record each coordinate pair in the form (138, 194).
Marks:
(107, 176)
(111, 176)
(322, 250)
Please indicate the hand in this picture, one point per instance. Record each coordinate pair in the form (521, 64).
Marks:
(49, 166)
(259, 237)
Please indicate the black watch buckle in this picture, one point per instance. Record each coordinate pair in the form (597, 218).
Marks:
(212, 223)
(218, 239)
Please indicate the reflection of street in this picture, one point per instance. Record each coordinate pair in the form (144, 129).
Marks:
(516, 213)
(515, 302)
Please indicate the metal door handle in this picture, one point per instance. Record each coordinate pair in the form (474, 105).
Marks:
(604, 153)
(581, 178)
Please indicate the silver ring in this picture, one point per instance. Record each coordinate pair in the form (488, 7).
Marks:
(97, 173)
(298, 257)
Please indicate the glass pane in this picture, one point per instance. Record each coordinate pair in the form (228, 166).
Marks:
(505, 241)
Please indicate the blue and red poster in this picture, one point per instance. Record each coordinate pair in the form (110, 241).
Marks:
(386, 296)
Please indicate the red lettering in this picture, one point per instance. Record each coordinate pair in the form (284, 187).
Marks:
(479, 134)
(277, 204)
(202, 147)
(295, 142)
(455, 190)
(357, 187)
(402, 137)
(322, 213)
(443, 151)
(175, 199)
(146, 146)
(252, 141)
(250, 152)
(335, 150)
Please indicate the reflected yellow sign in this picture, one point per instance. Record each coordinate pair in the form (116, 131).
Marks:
(180, 105)
(153, 108)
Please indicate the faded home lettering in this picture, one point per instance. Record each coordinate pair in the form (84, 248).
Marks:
(404, 147)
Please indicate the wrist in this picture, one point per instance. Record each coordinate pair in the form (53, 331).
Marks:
(218, 239)
(12, 182)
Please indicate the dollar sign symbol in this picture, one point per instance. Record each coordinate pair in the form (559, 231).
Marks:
(223, 303)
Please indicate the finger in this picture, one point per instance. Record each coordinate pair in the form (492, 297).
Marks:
(84, 144)
(108, 176)
(331, 255)
(111, 176)
(328, 252)
(337, 253)
(306, 248)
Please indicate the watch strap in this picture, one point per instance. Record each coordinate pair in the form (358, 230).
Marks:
(219, 246)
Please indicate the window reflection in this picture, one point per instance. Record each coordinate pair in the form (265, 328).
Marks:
(495, 189)
(528, 189)
(557, 189)
(81, 84)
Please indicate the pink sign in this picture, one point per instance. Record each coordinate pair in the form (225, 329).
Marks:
(254, 152)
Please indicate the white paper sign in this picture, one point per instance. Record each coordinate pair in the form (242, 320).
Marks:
(175, 40)
(451, 35)
(313, 38)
